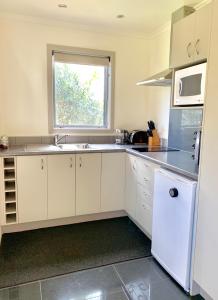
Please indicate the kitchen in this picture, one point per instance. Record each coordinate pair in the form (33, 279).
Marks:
(53, 190)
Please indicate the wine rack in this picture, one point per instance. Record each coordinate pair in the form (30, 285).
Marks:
(9, 194)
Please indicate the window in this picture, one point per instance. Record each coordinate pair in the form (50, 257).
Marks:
(80, 89)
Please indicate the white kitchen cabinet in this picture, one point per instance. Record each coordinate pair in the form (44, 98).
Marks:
(144, 204)
(130, 185)
(61, 186)
(112, 181)
(182, 48)
(202, 32)
(139, 191)
(32, 188)
(88, 181)
(206, 249)
(190, 38)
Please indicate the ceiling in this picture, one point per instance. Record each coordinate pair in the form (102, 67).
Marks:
(141, 16)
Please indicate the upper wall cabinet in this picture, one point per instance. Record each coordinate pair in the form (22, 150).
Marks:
(190, 38)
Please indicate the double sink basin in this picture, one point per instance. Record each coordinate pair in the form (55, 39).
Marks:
(59, 147)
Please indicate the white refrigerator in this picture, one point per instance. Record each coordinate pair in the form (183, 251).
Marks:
(173, 224)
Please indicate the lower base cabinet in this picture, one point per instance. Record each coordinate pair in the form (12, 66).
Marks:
(66, 185)
(143, 213)
(130, 185)
(139, 191)
(32, 188)
(88, 181)
(61, 186)
(112, 181)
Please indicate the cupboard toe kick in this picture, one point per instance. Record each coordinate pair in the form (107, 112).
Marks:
(48, 187)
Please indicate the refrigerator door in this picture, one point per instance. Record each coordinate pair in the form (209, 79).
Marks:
(173, 218)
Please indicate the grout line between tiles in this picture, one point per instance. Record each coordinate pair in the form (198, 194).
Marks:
(120, 278)
(40, 287)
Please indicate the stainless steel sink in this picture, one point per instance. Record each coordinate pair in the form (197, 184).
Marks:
(41, 148)
(68, 147)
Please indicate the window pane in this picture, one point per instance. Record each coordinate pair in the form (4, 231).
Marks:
(79, 95)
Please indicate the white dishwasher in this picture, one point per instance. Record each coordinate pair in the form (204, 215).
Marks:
(173, 224)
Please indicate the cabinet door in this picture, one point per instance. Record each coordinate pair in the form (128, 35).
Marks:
(32, 188)
(88, 180)
(206, 249)
(112, 181)
(61, 186)
(182, 47)
(131, 185)
(202, 32)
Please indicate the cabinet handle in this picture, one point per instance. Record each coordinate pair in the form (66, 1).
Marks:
(188, 48)
(80, 162)
(146, 179)
(71, 162)
(42, 164)
(197, 46)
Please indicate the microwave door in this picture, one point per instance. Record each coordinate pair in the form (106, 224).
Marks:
(191, 85)
(189, 90)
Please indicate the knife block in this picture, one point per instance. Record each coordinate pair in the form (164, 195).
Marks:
(155, 139)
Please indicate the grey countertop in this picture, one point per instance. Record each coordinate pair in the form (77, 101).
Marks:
(178, 161)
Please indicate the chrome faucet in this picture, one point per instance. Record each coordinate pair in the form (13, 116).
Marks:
(58, 138)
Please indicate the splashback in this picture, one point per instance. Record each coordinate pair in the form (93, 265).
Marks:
(182, 125)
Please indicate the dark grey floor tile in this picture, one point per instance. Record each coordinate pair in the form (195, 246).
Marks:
(120, 295)
(157, 267)
(23, 292)
(162, 290)
(99, 284)
(166, 290)
(138, 272)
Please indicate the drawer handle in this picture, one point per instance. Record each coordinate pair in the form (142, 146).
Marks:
(147, 166)
(71, 162)
(146, 179)
(42, 164)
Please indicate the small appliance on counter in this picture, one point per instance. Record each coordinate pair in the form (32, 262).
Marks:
(138, 137)
(4, 142)
(122, 136)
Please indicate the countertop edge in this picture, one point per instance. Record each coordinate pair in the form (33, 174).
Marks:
(21, 152)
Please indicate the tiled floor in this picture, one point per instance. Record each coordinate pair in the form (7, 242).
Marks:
(140, 279)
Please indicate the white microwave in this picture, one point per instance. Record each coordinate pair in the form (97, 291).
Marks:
(189, 85)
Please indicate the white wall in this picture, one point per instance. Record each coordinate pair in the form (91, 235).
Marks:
(158, 98)
(23, 81)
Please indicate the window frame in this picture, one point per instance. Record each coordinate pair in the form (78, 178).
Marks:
(108, 113)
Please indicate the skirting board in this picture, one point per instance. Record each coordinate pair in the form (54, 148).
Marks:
(63, 221)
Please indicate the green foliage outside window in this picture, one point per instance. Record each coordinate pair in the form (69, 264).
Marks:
(75, 102)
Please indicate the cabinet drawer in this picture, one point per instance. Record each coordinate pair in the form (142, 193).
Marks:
(144, 195)
(144, 168)
(144, 215)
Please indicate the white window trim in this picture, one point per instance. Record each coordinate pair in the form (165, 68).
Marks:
(50, 80)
